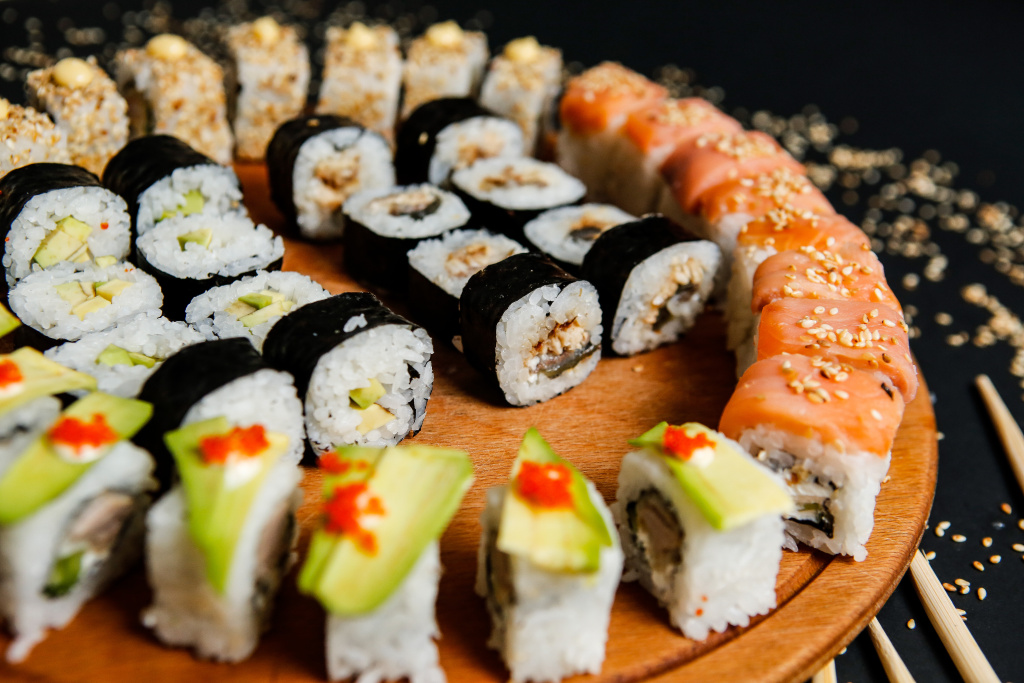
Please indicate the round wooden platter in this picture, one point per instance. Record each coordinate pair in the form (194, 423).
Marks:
(823, 601)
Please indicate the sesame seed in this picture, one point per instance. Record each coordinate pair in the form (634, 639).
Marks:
(949, 587)
(958, 538)
(961, 612)
(638, 368)
(930, 555)
(1020, 524)
(962, 582)
(1005, 507)
(964, 590)
(875, 414)
(833, 311)
(940, 532)
(987, 541)
(944, 525)
(995, 559)
(1018, 547)
(911, 624)
(982, 593)
(978, 565)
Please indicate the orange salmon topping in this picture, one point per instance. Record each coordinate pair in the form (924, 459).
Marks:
(347, 510)
(740, 146)
(545, 485)
(682, 446)
(76, 434)
(244, 441)
(10, 373)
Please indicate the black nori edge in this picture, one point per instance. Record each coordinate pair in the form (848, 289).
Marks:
(433, 306)
(26, 182)
(417, 136)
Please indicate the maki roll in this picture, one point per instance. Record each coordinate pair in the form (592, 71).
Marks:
(220, 541)
(653, 279)
(27, 375)
(504, 194)
(532, 327)
(384, 224)
(444, 62)
(163, 178)
(446, 135)
(57, 213)
(440, 268)
(690, 503)
(315, 163)
(568, 233)
(548, 566)
(363, 373)
(373, 562)
(225, 377)
(30, 137)
(249, 307)
(66, 535)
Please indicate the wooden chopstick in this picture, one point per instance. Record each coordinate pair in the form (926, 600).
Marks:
(1009, 432)
(894, 667)
(960, 644)
(827, 673)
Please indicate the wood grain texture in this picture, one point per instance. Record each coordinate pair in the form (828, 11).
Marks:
(824, 602)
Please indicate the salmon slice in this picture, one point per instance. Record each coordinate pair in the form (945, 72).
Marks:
(815, 399)
(756, 195)
(790, 227)
(603, 96)
(664, 125)
(869, 337)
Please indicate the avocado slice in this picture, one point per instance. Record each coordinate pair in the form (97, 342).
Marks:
(64, 575)
(364, 397)
(40, 376)
(105, 261)
(113, 355)
(265, 314)
(727, 487)
(374, 417)
(41, 474)
(81, 255)
(218, 506)
(108, 290)
(202, 237)
(419, 489)
(8, 321)
(553, 538)
(89, 288)
(142, 359)
(72, 292)
(89, 306)
(239, 309)
(257, 300)
(63, 243)
(194, 203)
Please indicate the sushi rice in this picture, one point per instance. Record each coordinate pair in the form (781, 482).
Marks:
(219, 186)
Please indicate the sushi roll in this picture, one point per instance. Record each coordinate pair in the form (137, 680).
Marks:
(531, 327)
(162, 178)
(828, 431)
(521, 84)
(373, 562)
(504, 194)
(444, 62)
(653, 279)
(66, 536)
(440, 268)
(548, 566)
(85, 105)
(363, 373)
(566, 234)
(225, 377)
(446, 135)
(30, 137)
(315, 163)
(220, 541)
(362, 76)
(384, 224)
(57, 213)
(267, 82)
(66, 302)
(690, 504)
(123, 358)
(172, 88)
(188, 256)
(27, 375)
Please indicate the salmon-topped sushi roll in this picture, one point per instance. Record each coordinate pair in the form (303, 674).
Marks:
(648, 137)
(866, 336)
(828, 429)
(592, 112)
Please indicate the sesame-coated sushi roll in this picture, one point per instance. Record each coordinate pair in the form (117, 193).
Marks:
(84, 103)
(30, 137)
(531, 327)
(653, 280)
(690, 504)
(828, 431)
(362, 76)
(363, 372)
(444, 62)
(315, 163)
(548, 566)
(270, 75)
(566, 234)
(521, 84)
(174, 89)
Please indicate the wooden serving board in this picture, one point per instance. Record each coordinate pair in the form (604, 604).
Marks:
(823, 601)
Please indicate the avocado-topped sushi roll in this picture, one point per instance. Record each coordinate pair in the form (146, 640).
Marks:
(73, 496)
(701, 526)
(444, 62)
(163, 178)
(172, 88)
(84, 103)
(362, 76)
(26, 375)
(315, 163)
(373, 562)
(220, 541)
(363, 372)
(653, 279)
(532, 327)
(548, 565)
(249, 307)
(566, 234)
(269, 74)
(446, 135)
(123, 358)
(58, 213)
(30, 137)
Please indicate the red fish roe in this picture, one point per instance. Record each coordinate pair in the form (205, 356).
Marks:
(682, 446)
(78, 434)
(10, 373)
(346, 510)
(244, 441)
(545, 485)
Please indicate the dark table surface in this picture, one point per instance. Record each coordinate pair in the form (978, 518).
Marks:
(935, 86)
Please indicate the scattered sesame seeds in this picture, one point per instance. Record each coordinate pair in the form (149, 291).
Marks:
(930, 555)
(944, 319)
(987, 541)
(911, 624)
(982, 593)
(995, 559)
(638, 368)
(958, 538)
(978, 565)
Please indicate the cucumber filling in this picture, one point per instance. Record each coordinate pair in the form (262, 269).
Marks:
(87, 297)
(811, 494)
(566, 345)
(416, 204)
(470, 259)
(260, 307)
(364, 400)
(657, 536)
(67, 242)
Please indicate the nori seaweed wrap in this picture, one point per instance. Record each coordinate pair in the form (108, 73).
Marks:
(24, 183)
